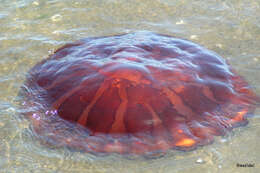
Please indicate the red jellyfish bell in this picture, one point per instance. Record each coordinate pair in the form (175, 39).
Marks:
(135, 93)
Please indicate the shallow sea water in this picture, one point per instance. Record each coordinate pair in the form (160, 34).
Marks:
(31, 30)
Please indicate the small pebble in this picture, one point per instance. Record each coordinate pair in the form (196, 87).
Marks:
(35, 3)
(56, 32)
(200, 160)
(181, 22)
(10, 109)
(56, 18)
(223, 140)
(194, 37)
(219, 45)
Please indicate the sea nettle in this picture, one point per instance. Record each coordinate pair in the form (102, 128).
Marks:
(134, 93)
